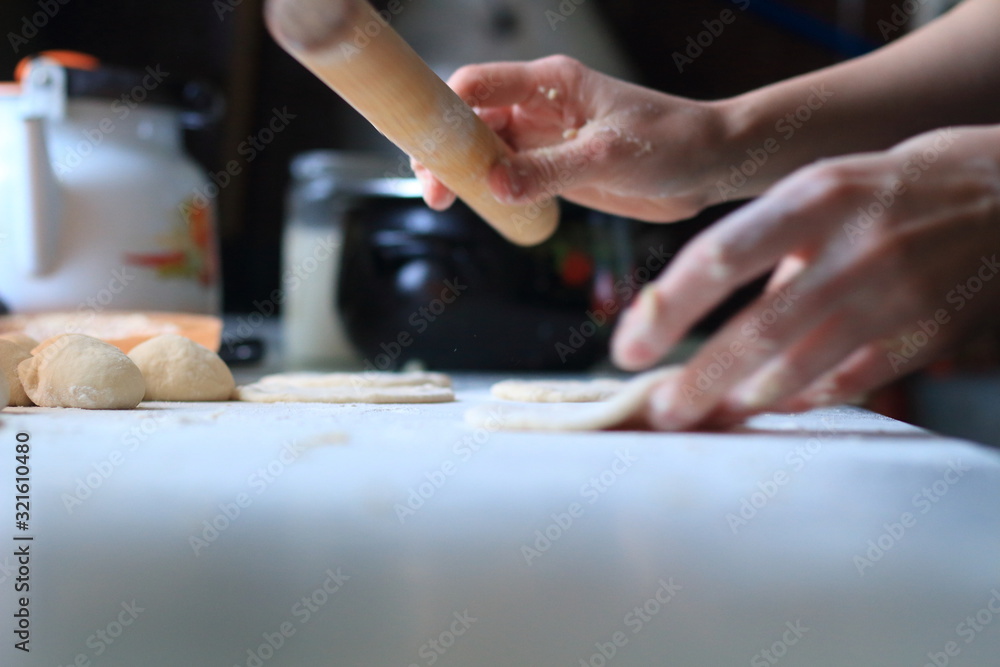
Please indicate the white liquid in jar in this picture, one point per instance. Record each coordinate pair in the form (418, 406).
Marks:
(314, 334)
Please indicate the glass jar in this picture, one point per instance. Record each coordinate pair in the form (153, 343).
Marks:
(324, 186)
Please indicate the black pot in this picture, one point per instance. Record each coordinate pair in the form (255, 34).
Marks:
(445, 289)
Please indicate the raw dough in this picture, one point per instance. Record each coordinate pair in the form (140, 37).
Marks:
(359, 380)
(22, 340)
(4, 392)
(77, 371)
(12, 354)
(557, 391)
(571, 417)
(176, 368)
(374, 387)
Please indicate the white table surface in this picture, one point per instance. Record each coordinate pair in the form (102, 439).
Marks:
(826, 547)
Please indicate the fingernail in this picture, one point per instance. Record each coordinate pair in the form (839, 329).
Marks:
(666, 413)
(505, 184)
(633, 343)
(644, 313)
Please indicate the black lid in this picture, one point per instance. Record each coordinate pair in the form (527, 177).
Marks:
(199, 101)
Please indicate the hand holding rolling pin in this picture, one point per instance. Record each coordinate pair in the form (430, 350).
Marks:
(870, 241)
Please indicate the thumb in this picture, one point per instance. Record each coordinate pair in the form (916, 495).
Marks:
(527, 175)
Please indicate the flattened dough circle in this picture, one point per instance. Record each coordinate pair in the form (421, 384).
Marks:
(557, 391)
(362, 379)
(571, 417)
(349, 388)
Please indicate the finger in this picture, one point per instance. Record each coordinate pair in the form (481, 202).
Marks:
(820, 351)
(861, 369)
(776, 323)
(873, 366)
(495, 119)
(790, 373)
(546, 84)
(583, 160)
(668, 209)
(792, 217)
(788, 268)
(436, 194)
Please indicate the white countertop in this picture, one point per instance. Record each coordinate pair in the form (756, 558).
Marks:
(838, 537)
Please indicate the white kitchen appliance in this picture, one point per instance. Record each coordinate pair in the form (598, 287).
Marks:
(101, 207)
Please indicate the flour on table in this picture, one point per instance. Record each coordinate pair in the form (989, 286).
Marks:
(625, 404)
(374, 387)
(557, 391)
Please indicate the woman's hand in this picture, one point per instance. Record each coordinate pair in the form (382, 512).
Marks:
(591, 139)
(884, 261)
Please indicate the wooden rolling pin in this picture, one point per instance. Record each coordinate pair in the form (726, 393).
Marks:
(352, 49)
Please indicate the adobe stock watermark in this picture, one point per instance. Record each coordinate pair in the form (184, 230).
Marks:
(562, 12)
(434, 648)
(101, 471)
(460, 114)
(462, 451)
(302, 611)
(460, 117)
(786, 128)
(634, 621)
(695, 45)
(419, 320)
(625, 288)
(249, 150)
(323, 249)
(971, 627)
(120, 109)
(906, 347)
(103, 638)
(88, 309)
(795, 460)
(899, 18)
(914, 167)
(366, 31)
(258, 482)
(750, 332)
(772, 655)
(33, 23)
(923, 502)
(590, 492)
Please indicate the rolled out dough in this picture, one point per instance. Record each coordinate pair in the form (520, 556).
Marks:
(349, 388)
(362, 379)
(571, 417)
(557, 391)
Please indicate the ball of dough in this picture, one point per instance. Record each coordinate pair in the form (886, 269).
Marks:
(22, 340)
(178, 369)
(77, 371)
(11, 355)
(4, 393)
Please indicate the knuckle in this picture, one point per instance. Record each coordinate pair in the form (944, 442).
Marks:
(545, 174)
(464, 80)
(908, 292)
(830, 184)
(560, 62)
(567, 70)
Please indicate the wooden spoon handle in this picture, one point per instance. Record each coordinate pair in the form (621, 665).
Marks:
(352, 49)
